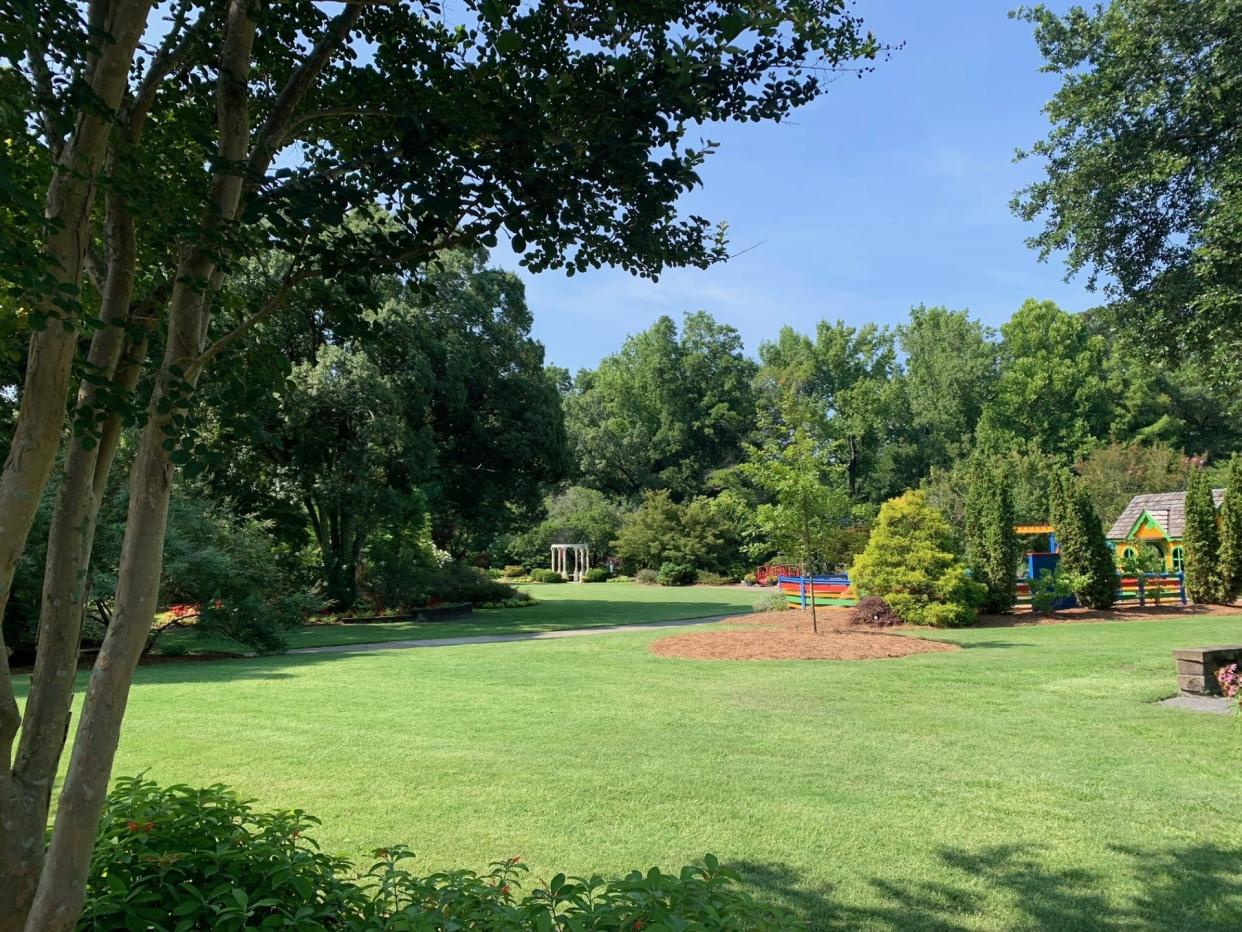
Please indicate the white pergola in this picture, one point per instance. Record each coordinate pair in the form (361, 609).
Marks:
(581, 560)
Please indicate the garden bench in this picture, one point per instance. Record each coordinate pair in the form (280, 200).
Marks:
(1197, 666)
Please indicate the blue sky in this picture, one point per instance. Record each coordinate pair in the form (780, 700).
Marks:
(889, 191)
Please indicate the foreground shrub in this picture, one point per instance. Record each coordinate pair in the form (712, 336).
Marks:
(874, 612)
(647, 577)
(676, 574)
(596, 574)
(546, 576)
(182, 858)
(179, 858)
(911, 562)
(772, 602)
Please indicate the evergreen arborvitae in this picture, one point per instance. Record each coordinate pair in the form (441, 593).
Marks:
(1083, 547)
(1231, 534)
(1202, 541)
(991, 541)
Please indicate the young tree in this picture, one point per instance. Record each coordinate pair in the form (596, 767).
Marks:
(912, 563)
(1085, 554)
(809, 506)
(991, 541)
(1231, 534)
(521, 118)
(1143, 183)
(1202, 541)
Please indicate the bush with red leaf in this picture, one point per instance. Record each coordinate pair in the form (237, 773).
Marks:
(874, 612)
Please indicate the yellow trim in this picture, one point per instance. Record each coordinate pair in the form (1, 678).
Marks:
(1034, 529)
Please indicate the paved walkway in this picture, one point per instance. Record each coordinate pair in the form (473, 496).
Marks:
(1218, 704)
(502, 638)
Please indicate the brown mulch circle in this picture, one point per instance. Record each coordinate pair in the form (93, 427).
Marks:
(788, 636)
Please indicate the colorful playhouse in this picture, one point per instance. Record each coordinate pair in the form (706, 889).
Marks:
(1156, 523)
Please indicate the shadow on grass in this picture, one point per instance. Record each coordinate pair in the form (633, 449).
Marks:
(1197, 887)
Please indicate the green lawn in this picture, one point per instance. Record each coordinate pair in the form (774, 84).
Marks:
(1027, 781)
(561, 606)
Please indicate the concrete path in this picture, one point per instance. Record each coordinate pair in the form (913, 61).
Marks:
(502, 638)
(1217, 704)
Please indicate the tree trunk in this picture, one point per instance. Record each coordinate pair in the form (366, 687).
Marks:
(37, 432)
(62, 882)
(70, 541)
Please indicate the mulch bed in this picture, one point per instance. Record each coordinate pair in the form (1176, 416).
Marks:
(788, 636)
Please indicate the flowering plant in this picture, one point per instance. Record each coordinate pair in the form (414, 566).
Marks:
(1230, 679)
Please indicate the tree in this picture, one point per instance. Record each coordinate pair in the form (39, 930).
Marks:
(950, 374)
(698, 533)
(1116, 473)
(1030, 473)
(991, 541)
(809, 506)
(1202, 541)
(577, 515)
(665, 411)
(436, 403)
(1085, 554)
(841, 385)
(1231, 534)
(1052, 392)
(912, 563)
(1143, 183)
(414, 124)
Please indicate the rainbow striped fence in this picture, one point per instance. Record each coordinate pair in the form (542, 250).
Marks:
(1152, 587)
(1144, 588)
(824, 590)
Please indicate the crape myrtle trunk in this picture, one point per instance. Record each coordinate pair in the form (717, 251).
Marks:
(23, 787)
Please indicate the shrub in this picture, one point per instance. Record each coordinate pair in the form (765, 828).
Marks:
(750, 579)
(1052, 589)
(1202, 541)
(675, 574)
(205, 859)
(772, 602)
(252, 622)
(708, 578)
(911, 562)
(1231, 534)
(647, 577)
(620, 578)
(1085, 554)
(513, 571)
(874, 612)
(596, 574)
(546, 576)
(991, 541)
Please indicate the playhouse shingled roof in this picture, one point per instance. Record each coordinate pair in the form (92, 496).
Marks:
(1168, 508)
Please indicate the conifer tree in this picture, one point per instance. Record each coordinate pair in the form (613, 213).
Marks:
(1231, 533)
(1084, 549)
(991, 541)
(1202, 541)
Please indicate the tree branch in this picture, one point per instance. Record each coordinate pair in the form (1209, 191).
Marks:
(274, 128)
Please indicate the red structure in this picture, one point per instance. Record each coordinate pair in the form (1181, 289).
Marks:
(766, 575)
